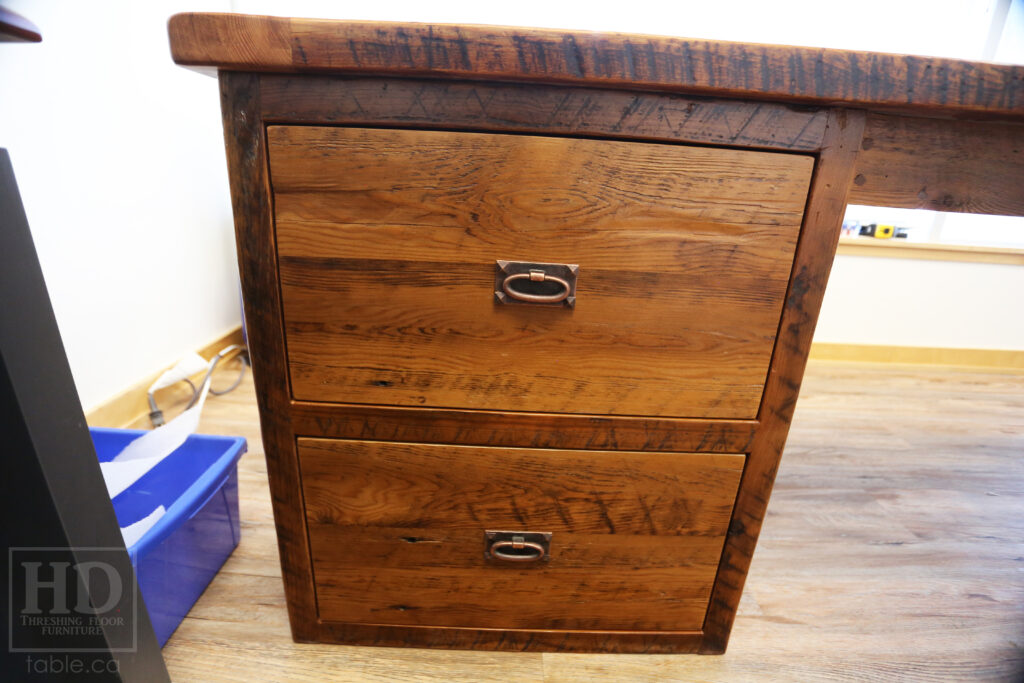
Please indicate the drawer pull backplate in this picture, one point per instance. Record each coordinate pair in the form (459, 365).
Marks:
(509, 277)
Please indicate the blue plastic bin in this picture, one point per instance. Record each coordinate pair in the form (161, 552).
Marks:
(178, 557)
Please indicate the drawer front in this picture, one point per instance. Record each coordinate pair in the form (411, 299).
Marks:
(388, 239)
(397, 535)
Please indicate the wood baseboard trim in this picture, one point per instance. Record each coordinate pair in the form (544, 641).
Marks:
(995, 359)
(130, 405)
(890, 248)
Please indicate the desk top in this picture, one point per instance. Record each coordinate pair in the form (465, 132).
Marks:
(814, 76)
(941, 134)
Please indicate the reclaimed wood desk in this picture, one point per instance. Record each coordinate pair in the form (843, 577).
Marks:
(529, 310)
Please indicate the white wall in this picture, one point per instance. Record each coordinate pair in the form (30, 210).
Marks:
(119, 157)
(903, 302)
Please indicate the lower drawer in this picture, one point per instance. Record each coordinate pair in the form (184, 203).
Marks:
(397, 535)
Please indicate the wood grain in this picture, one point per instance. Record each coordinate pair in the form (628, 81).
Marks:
(426, 178)
(255, 43)
(397, 534)
(539, 108)
(814, 256)
(531, 430)
(890, 552)
(684, 255)
(257, 264)
(524, 643)
(297, 578)
(330, 228)
(940, 164)
(908, 162)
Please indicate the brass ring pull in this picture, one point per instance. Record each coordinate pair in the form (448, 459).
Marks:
(536, 276)
(517, 543)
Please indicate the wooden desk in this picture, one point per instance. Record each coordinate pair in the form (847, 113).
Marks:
(356, 148)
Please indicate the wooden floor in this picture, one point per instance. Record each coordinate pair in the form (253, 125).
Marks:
(893, 550)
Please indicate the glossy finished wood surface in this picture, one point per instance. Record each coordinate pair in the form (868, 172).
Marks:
(891, 552)
(808, 75)
(387, 241)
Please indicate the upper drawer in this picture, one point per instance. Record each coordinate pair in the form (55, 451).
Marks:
(388, 240)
